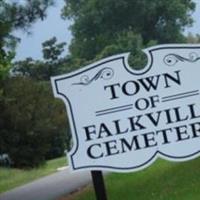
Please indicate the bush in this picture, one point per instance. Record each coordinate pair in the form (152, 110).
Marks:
(31, 123)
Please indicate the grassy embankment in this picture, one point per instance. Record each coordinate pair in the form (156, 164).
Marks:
(11, 178)
(161, 181)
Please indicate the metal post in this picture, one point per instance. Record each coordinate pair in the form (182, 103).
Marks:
(99, 187)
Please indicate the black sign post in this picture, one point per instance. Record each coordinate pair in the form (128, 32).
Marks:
(99, 186)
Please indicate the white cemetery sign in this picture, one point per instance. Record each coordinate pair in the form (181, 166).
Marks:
(123, 119)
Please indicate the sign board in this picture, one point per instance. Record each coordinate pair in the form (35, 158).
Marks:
(123, 119)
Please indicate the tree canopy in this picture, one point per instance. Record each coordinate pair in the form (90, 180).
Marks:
(98, 24)
(13, 16)
(33, 123)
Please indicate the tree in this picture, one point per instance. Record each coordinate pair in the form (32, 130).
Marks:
(34, 125)
(43, 69)
(128, 42)
(13, 16)
(97, 24)
(51, 50)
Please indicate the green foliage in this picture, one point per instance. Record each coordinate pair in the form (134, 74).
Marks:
(35, 69)
(5, 66)
(97, 24)
(33, 123)
(42, 70)
(125, 42)
(13, 16)
(51, 50)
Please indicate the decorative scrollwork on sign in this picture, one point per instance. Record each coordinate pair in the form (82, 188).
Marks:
(172, 59)
(105, 73)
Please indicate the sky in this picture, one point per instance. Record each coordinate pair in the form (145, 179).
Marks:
(53, 25)
(196, 16)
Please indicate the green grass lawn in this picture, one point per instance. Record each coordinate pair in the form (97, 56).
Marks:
(161, 181)
(11, 178)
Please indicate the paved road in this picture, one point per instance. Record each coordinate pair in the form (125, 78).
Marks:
(50, 187)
